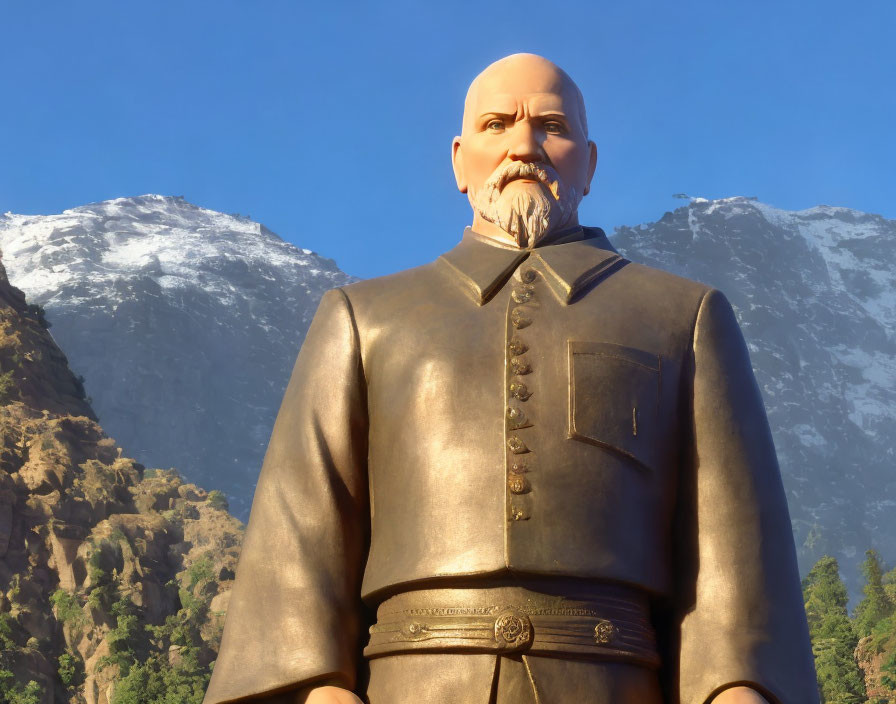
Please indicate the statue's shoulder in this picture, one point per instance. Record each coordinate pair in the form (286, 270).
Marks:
(664, 280)
(382, 294)
(649, 278)
(400, 280)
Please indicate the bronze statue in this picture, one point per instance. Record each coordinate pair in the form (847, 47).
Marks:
(528, 472)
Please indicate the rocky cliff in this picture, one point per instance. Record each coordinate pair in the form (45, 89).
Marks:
(877, 661)
(113, 577)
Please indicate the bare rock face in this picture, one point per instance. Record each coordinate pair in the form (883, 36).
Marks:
(107, 569)
(876, 660)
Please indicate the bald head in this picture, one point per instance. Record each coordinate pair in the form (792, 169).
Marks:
(523, 156)
(522, 73)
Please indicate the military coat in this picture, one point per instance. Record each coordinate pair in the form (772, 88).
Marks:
(556, 413)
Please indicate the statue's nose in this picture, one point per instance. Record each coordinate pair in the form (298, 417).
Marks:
(525, 144)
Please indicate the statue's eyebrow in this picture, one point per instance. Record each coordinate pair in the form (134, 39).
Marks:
(552, 112)
(485, 117)
(496, 113)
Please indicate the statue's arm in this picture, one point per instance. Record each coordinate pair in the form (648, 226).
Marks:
(741, 609)
(294, 618)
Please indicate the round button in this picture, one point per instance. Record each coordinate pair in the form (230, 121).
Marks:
(528, 275)
(518, 484)
(519, 366)
(522, 295)
(516, 446)
(519, 390)
(516, 346)
(519, 320)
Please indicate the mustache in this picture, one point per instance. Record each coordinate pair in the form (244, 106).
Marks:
(541, 172)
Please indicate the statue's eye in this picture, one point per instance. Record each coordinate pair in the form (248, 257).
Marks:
(554, 127)
(495, 125)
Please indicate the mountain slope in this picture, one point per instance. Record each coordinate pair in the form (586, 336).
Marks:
(815, 291)
(186, 322)
(183, 321)
(93, 548)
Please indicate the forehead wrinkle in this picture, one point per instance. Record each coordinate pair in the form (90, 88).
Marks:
(562, 86)
(547, 102)
(502, 103)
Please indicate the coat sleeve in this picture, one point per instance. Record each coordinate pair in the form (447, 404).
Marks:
(295, 612)
(742, 619)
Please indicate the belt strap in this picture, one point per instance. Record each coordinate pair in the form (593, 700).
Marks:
(611, 626)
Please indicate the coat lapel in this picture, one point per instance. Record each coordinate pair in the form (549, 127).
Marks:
(572, 267)
(483, 268)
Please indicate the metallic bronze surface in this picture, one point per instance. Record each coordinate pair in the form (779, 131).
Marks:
(519, 390)
(647, 455)
(459, 678)
(519, 319)
(605, 632)
(610, 623)
(517, 484)
(520, 366)
(513, 630)
(516, 346)
(516, 446)
(528, 274)
(522, 295)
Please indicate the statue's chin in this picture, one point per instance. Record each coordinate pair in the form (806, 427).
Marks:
(526, 214)
(524, 209)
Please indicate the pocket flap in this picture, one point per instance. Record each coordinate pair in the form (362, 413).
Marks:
(614, 398)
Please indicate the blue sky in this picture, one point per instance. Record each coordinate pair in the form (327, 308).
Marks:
(331, 123)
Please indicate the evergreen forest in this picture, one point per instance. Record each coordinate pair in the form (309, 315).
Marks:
(855, 654)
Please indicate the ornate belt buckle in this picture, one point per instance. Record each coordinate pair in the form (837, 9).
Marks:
(513, 630)
(604, 632)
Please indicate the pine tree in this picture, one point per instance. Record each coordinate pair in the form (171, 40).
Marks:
(890, 585)
(874, 617)
(876, 606)
(834, 639)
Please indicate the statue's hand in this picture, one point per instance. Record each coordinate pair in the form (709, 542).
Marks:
(739, 695)
(331, 695)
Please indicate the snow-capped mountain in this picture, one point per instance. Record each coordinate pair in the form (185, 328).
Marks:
(184, 322)
(815, 291)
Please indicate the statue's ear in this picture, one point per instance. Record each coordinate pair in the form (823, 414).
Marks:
(457, 162)
(592, 165)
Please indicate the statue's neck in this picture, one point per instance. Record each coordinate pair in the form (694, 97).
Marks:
(493, 232)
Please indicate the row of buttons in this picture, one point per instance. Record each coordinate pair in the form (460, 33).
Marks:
(522, 294)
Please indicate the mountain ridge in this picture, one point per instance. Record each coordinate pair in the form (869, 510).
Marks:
(813, 290)
(815, 294)
(154, 299)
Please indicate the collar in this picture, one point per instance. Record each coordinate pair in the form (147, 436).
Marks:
(569, 262)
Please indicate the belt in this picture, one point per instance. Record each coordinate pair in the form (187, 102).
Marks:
(611, 624)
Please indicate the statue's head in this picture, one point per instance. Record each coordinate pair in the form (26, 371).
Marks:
(523, 157)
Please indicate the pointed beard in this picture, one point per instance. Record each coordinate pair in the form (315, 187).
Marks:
(525, 215)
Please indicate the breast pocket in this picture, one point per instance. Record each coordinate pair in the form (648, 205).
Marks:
(614, 399)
